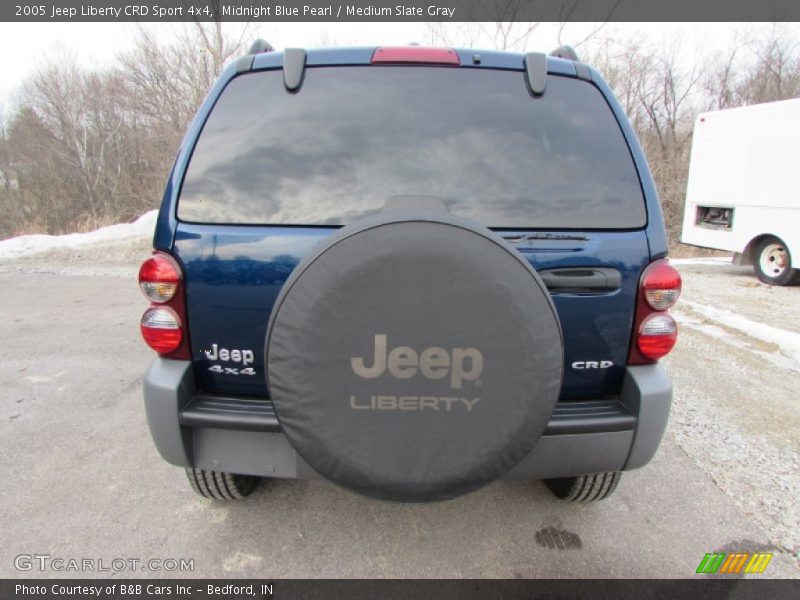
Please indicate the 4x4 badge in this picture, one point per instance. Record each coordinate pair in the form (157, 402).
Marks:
(244, 357)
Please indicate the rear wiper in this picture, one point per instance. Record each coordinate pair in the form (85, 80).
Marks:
(513, 239)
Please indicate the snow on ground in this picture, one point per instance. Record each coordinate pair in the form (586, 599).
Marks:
(32, 245)
(788, 342)
(777, 358)
(714, 261)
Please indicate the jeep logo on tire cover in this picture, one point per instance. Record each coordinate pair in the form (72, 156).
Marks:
(463, 364)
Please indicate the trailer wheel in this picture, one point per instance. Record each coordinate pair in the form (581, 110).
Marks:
(773, 263)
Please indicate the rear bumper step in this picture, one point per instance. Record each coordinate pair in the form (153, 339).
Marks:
(590, 416)
(258, 414)
(225, 412)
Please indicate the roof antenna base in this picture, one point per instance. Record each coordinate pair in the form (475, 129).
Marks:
(567, 52)
(260, 46)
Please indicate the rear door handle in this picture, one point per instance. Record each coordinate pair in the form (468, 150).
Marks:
(581, 280)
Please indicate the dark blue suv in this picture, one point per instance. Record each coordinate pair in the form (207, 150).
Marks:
(411, 271)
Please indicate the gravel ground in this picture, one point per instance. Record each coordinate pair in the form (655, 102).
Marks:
(736, 410)
(726, 478)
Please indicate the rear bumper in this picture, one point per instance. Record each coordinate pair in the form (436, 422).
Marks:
(243, 435)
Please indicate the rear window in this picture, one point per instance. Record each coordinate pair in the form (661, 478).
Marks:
(354, 137)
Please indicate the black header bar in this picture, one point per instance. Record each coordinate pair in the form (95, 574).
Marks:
(399, 10)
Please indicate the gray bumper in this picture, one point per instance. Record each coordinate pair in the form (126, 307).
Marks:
(563, 451)
(168, 388)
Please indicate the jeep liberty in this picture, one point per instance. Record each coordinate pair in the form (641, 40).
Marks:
(411, 271)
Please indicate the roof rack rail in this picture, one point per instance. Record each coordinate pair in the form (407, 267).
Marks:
(567, 52)
(259, 46)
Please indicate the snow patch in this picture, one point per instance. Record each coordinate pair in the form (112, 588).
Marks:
(715, 261)
(30, 245)
(787, 341)
(778, 359)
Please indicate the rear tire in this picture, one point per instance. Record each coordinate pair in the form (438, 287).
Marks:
(585, 488)
(773, 263)
(221, 486)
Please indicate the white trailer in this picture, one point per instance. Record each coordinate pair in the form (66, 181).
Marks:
(743, 193)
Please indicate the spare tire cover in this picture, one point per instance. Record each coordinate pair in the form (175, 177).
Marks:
(413, 357)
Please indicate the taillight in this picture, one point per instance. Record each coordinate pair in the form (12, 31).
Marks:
(159, 276)
(163, 324)
(657, 336)
(161, 329)
(655, 331)
(661, 284)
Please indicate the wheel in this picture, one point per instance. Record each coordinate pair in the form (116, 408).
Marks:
(221, 486)
(585, 488)
(773, 263)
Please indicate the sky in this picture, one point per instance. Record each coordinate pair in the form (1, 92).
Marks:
(24, 46)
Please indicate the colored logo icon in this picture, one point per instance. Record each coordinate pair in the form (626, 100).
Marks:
(735, 562)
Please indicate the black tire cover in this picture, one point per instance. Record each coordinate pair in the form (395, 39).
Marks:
(474, 365)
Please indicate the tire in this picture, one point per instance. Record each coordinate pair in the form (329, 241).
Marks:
(773, 263)
(221, 486)
(585, 488)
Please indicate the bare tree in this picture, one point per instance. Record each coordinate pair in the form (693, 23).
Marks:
(218, 45)
(776, 72)
(719, 83)
(72, 130)
(509, 35)
(5, 156)
(498, 35)
(624, 64)
(87, 147)
(497, 25)
(675, 88)
(567, 12)
(659, 93)
(10, 208)
(577, 42)
(172, 79)
(458, 35)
